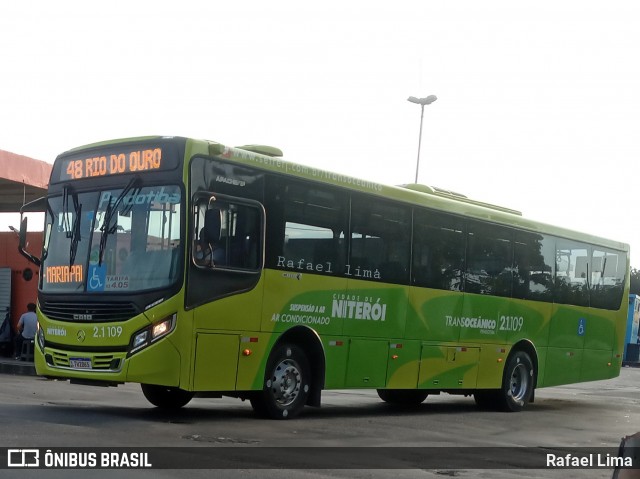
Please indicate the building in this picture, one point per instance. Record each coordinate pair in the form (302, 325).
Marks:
(22, 180)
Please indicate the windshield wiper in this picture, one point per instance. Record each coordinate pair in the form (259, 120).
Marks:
(72, 231)
(45, 249)
(112, 207)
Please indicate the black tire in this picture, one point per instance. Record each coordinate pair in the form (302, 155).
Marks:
(403, 397)
(166, 397)
(518, 380)
(286, 384)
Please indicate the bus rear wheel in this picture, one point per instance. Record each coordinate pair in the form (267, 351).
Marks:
(166, 397)
(517, 383)
(286, 384)
(403, 397)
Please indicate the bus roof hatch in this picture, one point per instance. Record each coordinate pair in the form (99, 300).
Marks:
(262, 149)
(452, 195)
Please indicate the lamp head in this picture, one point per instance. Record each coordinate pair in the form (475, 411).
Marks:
(423, 101)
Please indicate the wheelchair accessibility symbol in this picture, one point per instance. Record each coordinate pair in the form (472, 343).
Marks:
(582, 326)
(96, 278)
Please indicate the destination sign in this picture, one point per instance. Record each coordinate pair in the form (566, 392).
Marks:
(116, 163)
(64, 274)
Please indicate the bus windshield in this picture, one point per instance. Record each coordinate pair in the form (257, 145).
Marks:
(113, 240)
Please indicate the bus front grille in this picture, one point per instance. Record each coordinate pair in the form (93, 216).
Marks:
(102, 362)
(89, 312)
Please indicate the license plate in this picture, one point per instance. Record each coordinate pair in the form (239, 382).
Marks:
(80, 363)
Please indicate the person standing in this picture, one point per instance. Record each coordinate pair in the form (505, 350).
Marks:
(27, 327)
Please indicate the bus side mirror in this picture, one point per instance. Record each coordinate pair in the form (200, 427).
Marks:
(23, 233)
(35, 205)
(22, 244)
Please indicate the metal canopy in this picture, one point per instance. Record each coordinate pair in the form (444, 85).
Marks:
(22, 179)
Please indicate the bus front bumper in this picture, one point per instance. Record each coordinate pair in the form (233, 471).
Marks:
(157, 364)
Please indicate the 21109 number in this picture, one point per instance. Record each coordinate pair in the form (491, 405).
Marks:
(511, 323)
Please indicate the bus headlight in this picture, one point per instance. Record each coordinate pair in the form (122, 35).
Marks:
(161, 329)
(40, 336)
(139, 340)
(151, 334)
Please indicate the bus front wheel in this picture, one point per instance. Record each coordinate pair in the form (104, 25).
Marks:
(166, 397)
(286, 384)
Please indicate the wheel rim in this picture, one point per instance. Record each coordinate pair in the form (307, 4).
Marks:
(519, 383)
(286, 382)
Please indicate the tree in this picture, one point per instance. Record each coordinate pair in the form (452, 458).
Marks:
(635, 281)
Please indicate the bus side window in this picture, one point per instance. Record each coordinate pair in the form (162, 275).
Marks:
(489, 260)
(607, 278)
(438, 250)
(534, 262)
(226, 235)
(572, 266)
(244, 237)
(380, 240)
(212, 252)
(307, 225)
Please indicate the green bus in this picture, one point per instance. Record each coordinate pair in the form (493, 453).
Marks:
(197, 269)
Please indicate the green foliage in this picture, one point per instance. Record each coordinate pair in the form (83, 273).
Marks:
(635, 281)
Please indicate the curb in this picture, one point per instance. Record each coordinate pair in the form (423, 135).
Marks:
(22, 368)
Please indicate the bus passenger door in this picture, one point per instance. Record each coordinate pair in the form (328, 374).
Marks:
(223, 282)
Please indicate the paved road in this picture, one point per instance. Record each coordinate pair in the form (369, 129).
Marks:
(35, 412)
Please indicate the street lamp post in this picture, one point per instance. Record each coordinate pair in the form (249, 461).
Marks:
(422, 102)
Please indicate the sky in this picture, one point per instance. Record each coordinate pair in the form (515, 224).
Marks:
(538, 103)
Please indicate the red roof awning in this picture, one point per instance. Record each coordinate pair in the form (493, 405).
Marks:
(22, 179)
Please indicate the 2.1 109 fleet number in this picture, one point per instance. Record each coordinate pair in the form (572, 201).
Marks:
(107, 331)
